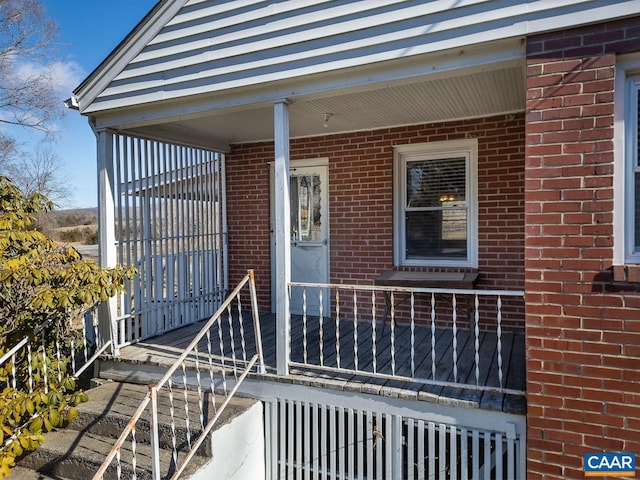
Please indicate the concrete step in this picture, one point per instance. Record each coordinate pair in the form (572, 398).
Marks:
(23, 473)
(112, 404)
(77, 451)
(71, 454)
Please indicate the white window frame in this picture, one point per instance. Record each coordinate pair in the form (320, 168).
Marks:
(435, 150)
(627, 85)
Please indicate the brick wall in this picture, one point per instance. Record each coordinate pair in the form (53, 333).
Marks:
(583, 329)
(360, 201)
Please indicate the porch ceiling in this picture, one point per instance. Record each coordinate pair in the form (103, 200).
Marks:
(467, 95)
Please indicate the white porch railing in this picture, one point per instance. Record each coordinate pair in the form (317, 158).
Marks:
(214, 373)
(28, 352)
(28, 366)
(374, 331)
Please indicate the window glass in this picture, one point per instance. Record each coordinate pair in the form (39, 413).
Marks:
(432, 182)
(436, 209)
(435, 234)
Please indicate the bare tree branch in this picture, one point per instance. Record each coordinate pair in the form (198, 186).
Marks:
(27, 97)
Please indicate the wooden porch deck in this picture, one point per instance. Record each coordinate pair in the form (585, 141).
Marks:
(162, 351)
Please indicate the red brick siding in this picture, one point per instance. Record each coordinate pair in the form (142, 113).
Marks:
(247, 181)
(583, 330)
(360, 201)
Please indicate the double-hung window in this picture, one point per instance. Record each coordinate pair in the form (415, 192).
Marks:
(627, 165)
(435, 204)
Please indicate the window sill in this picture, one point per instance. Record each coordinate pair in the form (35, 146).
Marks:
(626, 273)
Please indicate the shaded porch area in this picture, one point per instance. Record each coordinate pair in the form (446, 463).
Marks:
(467, 358)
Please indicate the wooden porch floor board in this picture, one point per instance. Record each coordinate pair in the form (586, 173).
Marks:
(165, 348)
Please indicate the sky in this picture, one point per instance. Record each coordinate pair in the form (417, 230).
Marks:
(89, 31)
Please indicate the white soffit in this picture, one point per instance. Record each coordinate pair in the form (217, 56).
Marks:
(475, 94)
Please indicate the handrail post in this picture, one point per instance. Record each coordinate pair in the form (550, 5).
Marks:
(155, 435)
(256, 321)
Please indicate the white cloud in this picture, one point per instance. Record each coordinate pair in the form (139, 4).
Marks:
(64, 75)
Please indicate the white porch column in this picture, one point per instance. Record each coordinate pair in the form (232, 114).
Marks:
(282, 235)
(107, 255)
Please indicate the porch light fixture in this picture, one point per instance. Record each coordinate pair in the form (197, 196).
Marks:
(325, 117)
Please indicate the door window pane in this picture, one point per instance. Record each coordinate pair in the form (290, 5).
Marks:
(306, 217)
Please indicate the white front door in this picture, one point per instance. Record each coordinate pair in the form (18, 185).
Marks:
(309, 190)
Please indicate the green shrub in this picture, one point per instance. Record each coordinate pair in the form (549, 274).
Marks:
(41, 283)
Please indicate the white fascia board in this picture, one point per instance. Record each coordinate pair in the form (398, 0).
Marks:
(151, 109)
(86, 94)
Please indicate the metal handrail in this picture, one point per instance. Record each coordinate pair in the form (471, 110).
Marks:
(151, 397)
(203, 331)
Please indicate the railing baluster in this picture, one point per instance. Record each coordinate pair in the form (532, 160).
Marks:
(14, 373)
(499, 339)
(59, 359)
(73, 346)
(321, 334)
(172, 414)
(185, 392)
(413, 336)
(304, 310)
(304, 301)
(355, 329)
(154, 432)
(222, 357)
(304, 330)
(118, 465)
(477, 334)
(211, 379)
(29, 367)
(455, 337)
(321, 316)
(232, 342)
(338, 328)
(45, 371)
(134, 459)
(85, 318)
(433, 336)
(241, 321)
(199, 387)
(373, 330)
(393, 336)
